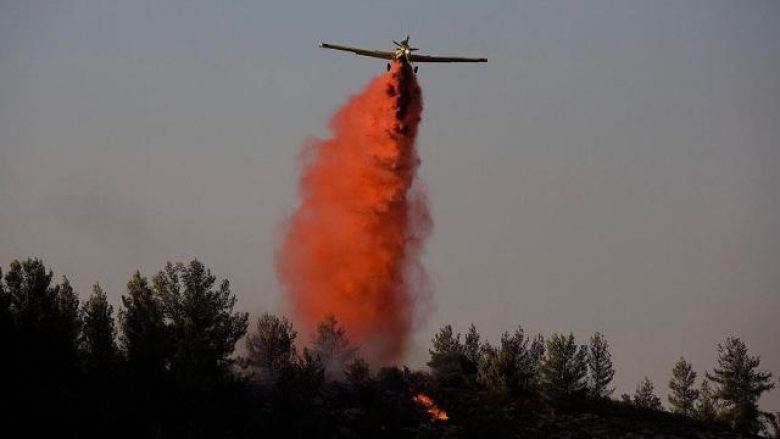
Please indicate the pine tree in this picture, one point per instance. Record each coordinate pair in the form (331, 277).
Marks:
(644, 396)
(472, 349)
(535, 360)
(45, 362)
(271, 349)
(357, 372)
(448, 360)
(565, 368)
(7, 335)
(706, 404)
(144, 339)
(98, 335)
(682, 394)
(740, 385)
(600, 365)
(331, 346)
(68, 322)
(201, 320)
(512, 366)
(45, 317)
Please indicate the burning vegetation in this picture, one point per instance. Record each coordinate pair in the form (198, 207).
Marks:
(433, 410)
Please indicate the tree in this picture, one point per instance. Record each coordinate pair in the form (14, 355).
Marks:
(45, 317)
(271, 349)
(144, 338)
(600, 365)
(44, 361)
(740, 385)
(445, 341)
(357, 372)
(331, 346)
(644, 396)
(536, 358)
(307, 377)
(706, 404)
(565, 368)
(448, 360)
(98, 335)
(8, 338)
(510, 367)
(201, 321)
(67, 322)
(7, 330)
(472, 349)
(682, 394)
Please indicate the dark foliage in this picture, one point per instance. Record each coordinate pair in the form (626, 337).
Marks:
(167, 369)
(740, 385)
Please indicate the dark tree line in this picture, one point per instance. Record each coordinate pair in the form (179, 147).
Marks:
(164, 365)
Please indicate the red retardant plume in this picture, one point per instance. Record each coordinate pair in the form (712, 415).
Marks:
(352, 247)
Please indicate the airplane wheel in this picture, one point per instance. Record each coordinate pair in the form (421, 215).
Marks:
(388, 67)
(415, 69)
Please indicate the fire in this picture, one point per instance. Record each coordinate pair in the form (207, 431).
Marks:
(352, 247)
(433, 410)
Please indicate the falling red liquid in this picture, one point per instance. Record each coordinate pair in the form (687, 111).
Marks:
(352, 246)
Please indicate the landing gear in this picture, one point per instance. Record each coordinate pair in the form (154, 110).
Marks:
(415, 69)
(388, 67)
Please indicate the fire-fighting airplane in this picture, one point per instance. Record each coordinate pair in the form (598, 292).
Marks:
(402, 52)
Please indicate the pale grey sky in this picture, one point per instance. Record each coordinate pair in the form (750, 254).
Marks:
(613, 168)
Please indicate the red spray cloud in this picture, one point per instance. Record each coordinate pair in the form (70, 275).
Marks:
(352, 246)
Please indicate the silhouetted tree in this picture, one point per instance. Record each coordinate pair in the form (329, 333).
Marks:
(101, 361)
(472, 349)
(98, 336)
(740, 385)
(7, 332)
(332, 347)
(144, 337)
(45, 317)
(271, 349)
(68, 322)
(448, 359)
(44, 360)
(536, 358)
(707, 407)
(201, 320)
(357, 372)
(309, 373)
(644, 396)
(565, 369)
(600, 365)
(510, 367)
(682, 394)
(8, 339)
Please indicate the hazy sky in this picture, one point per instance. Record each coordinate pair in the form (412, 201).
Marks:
(615, 166)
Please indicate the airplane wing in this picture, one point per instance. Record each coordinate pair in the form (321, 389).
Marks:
(363, 52)
(426, 58)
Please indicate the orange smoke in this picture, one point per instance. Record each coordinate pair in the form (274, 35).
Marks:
(351, 247)
(433, 410)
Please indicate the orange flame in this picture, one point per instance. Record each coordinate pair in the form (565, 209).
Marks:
(433, 410)
(352, 246)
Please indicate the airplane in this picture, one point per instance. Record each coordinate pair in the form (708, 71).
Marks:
(402, 52)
